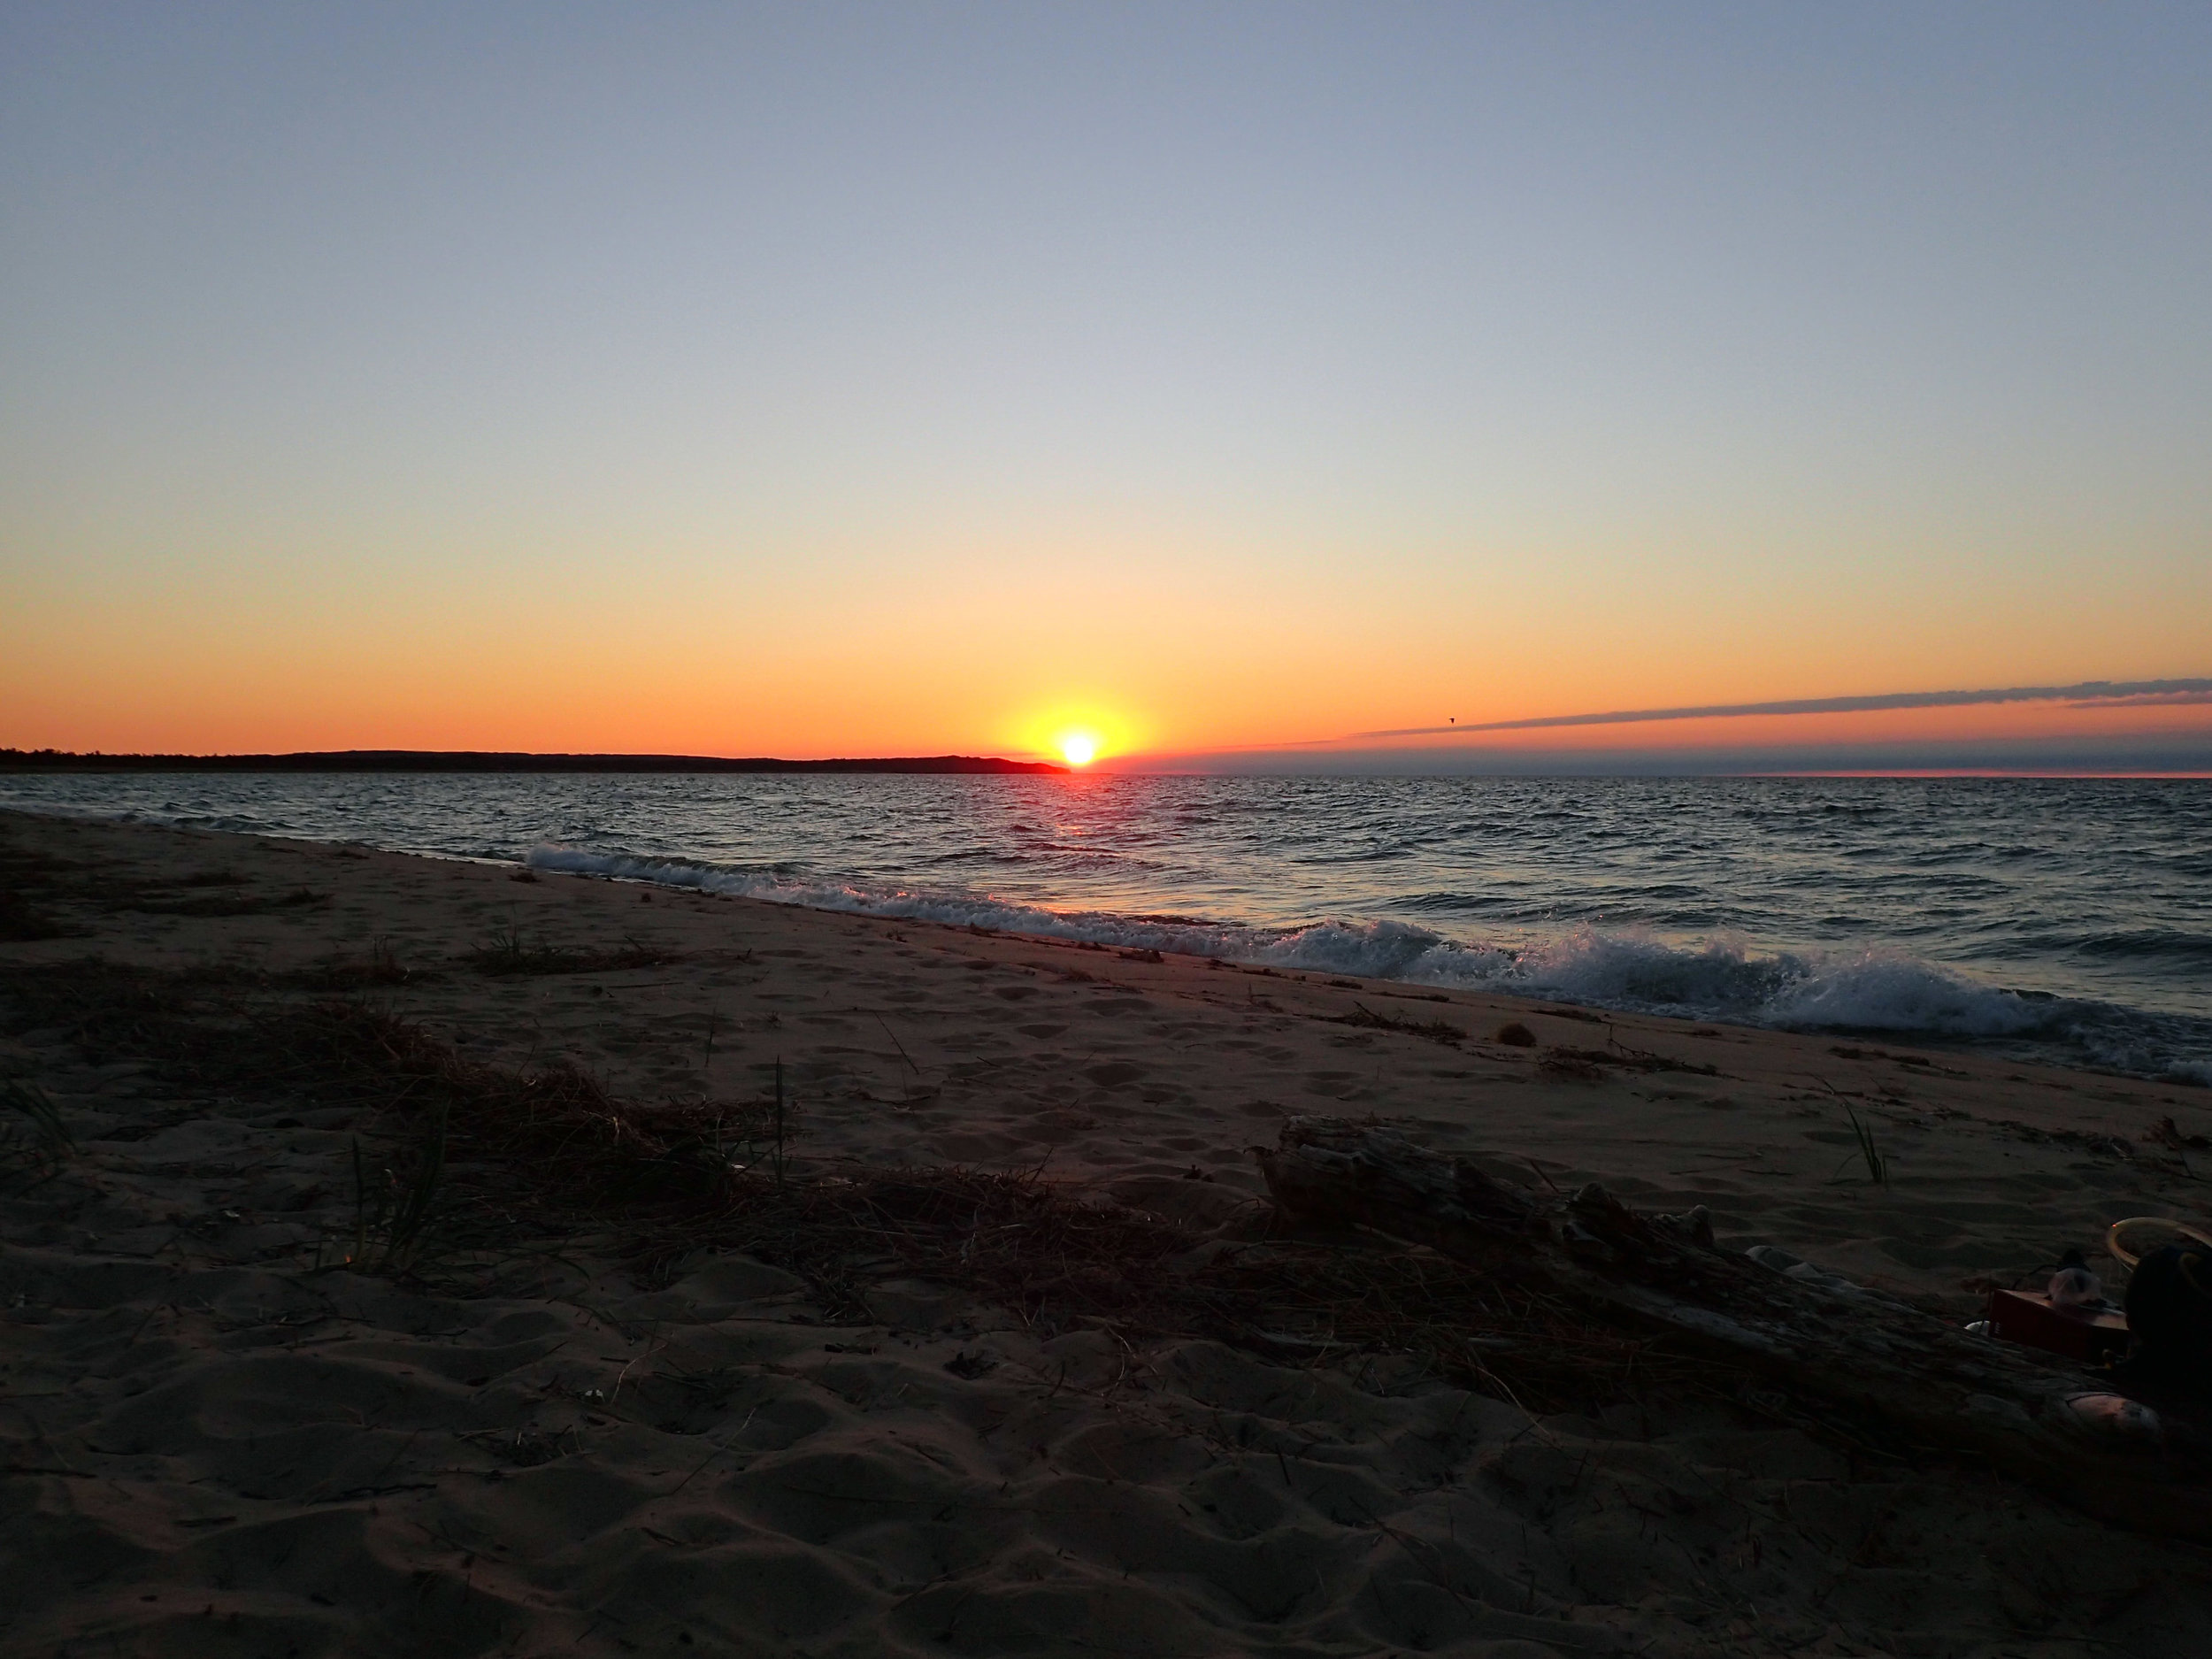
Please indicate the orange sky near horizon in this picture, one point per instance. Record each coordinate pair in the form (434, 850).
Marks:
(1164, 638)
(543, 687)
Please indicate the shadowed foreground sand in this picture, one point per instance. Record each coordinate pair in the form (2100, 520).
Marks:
(213, 1449)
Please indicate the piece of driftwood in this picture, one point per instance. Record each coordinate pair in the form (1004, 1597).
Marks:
(1933, 1385)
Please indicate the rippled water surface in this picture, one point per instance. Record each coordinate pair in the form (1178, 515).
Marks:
(2067, 919)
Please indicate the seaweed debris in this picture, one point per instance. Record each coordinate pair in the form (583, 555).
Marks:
(508, 953)
(1434, 1030)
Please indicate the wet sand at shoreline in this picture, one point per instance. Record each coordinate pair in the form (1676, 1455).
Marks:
(213, 1450)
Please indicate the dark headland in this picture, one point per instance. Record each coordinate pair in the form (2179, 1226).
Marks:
(484, 760)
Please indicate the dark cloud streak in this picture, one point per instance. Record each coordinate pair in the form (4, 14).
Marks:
(2098, 693)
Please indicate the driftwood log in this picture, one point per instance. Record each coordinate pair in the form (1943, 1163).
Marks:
(1932, 1385)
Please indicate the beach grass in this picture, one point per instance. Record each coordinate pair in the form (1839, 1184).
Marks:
(1871, 1154)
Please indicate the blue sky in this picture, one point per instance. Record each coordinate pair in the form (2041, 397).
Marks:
(825, 378)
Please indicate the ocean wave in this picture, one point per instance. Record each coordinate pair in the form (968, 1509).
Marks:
(1864, 990)
(1572, 892)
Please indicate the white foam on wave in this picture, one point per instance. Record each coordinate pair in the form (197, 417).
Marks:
(1867, 990)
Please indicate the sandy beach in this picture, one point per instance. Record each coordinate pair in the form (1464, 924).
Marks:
(513, 1436)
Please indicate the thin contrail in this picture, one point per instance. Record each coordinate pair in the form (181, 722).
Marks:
(2090, 691)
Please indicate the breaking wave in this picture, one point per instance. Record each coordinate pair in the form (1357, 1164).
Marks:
(2069, 922)
(1872, 990)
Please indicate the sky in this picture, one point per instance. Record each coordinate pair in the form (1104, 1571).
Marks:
(1232, 382)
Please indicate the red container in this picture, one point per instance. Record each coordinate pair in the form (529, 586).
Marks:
(2027, 1317)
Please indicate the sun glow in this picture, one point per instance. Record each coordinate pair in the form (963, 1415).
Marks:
(1074, 731)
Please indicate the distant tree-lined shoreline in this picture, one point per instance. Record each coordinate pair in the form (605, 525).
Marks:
(488, 760)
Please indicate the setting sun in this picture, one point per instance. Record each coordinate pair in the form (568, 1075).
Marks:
(1075, 729)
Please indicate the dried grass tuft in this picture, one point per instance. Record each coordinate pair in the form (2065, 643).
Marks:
(40, 1141)
(381, 968)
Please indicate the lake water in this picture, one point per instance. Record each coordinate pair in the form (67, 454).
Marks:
(2063, 919)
